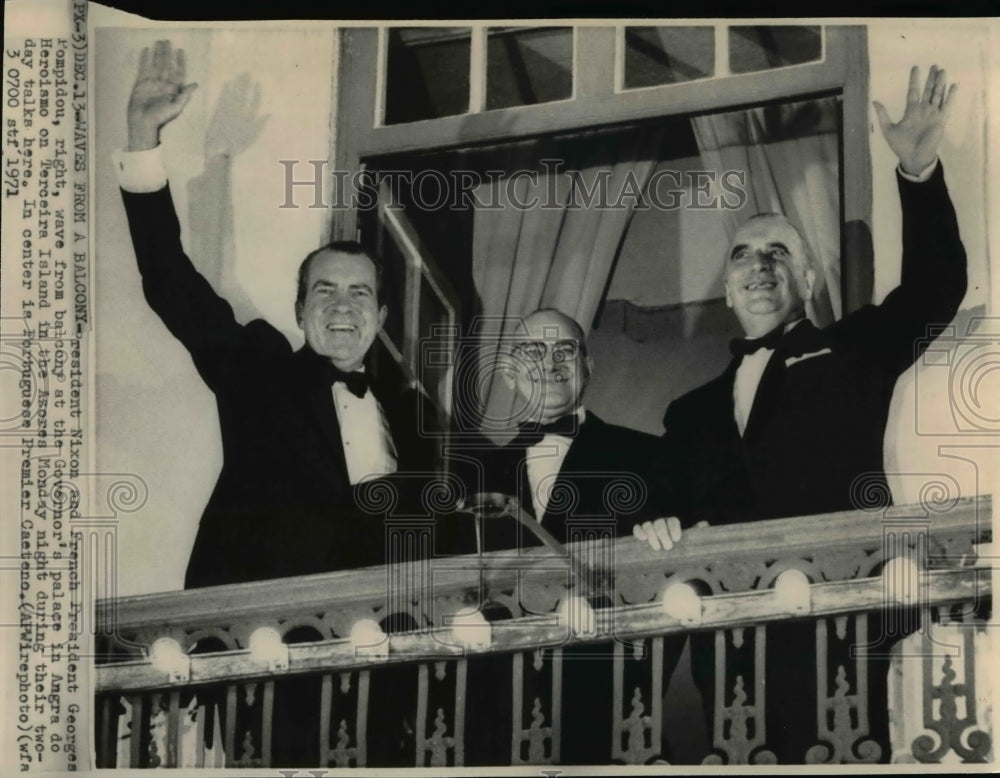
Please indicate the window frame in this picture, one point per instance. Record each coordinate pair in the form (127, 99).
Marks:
(599, 100)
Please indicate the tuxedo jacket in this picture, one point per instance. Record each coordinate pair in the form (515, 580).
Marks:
(608, 481)
(283, 504)
(813, 442)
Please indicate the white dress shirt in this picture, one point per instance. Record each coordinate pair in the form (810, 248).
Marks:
(364, 431)
(544, 461)
(748, 376)
(368, 447)
(140, 172)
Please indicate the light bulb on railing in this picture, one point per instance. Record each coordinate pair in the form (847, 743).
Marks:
(901, 580)
(681, 602)
(167, 656)
(368, 639)
(470, 628)
(267, 648)
(576, 613)
(793, 592)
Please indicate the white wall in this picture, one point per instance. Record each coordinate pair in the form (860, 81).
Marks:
(923, 438)
(155, 417)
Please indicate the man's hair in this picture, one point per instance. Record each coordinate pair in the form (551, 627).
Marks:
(577, 330)
(350, 247)
(809, 258)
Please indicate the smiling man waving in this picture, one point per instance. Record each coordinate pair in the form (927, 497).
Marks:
(299, 429)
(795, 424)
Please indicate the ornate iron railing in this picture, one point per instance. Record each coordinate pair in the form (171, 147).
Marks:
(237, 647)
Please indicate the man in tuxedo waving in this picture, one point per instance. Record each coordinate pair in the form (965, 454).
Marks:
(795, 424)
(300, 429)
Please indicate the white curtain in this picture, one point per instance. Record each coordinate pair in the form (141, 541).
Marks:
(559, 250)
(791, 155)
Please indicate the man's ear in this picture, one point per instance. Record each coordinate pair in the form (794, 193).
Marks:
(382, 313)
(508, 370)
(729, 297)
(505, 366)
(298, 314)
(507, 376)
(809, 278)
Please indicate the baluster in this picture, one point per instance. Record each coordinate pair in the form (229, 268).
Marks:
(156, 725)
(267, 724)
(361, 725)
(247, 749)
(107, 740)
(325, 703)
(342, 754)
(188, 731)
(517, 696)
(536, 734)
(128, 741)
(461, 674)
(231, 724)
(841, 741)
(557, 695)
(739, 747)
(422, 693)
(438, 745)
(201, 713)
(954, 731)
(643, 732)
(173, 730)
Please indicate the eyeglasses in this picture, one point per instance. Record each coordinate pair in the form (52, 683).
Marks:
(535, 350)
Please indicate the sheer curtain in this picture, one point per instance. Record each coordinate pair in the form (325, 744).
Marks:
(549, 238)
(791, 155)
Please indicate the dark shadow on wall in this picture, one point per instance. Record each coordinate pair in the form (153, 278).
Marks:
(232, 129)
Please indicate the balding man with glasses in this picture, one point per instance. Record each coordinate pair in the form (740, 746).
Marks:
(580, 479)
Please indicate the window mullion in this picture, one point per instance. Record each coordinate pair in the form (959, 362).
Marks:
(721, 50)
(593, 62)
(477, 70)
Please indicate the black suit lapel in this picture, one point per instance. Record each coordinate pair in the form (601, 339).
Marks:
(516, 467)
(412, 424)
(578, 460)
(803, 337)
(765, 399)
(722, 399)
(319, 398)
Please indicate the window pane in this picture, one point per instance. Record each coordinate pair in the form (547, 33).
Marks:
(528, 66)
(427, 73)
(668, 55)
(763, 48)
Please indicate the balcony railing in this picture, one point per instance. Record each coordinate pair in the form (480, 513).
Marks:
(204, 677)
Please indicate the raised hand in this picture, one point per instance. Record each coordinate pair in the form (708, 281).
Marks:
(914, 139)
(158, 95)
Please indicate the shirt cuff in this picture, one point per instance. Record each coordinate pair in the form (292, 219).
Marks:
(922, 176)
(140, 171)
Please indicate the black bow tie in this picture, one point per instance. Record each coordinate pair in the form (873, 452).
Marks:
(355, 381)
(531, 433)
(741, 347)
